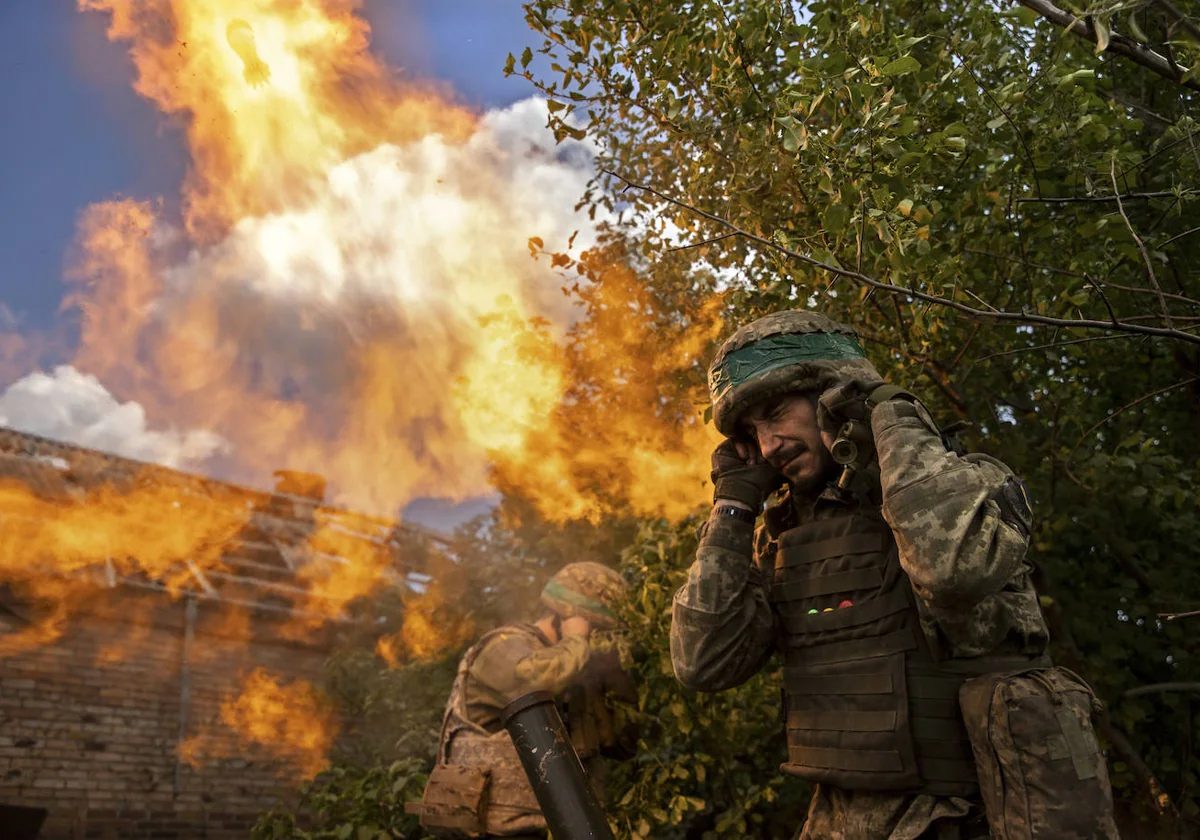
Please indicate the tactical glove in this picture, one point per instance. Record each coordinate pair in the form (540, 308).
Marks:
(853, 400)
(738, 481)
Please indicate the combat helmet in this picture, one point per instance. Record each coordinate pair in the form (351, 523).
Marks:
(787, 351)
(585, 589)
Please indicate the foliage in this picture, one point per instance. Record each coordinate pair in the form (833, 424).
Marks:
(707, 765)
(390, 714)
(350, 803)
(979, 163)
(994, 163)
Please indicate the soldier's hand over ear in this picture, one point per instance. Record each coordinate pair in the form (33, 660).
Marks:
(576, 625)
(847, 401)
(740, 474)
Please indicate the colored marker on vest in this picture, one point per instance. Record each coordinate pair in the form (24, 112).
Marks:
(845, 604)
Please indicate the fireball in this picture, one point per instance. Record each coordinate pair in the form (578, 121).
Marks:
(240, 36)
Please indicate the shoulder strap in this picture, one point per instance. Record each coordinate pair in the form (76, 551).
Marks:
(455, 717)
(886, 392)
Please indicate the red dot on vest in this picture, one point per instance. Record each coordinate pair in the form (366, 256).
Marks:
(845, 604)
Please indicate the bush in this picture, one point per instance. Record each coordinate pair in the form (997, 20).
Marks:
(352, 803)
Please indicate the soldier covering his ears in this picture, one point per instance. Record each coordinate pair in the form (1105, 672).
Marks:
(478, 787)
(896, 589)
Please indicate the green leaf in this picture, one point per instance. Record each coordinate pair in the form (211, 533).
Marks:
(1103, 33)
(901, 66)
(526, 57)
(1024, 16)
(1073, 78)
(835, 218)
(1136, 28)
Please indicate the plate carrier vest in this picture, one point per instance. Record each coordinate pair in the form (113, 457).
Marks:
(868, 707)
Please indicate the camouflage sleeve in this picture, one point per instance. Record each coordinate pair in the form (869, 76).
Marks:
(553, 668)
(956, 543)
(722, 629)
(512, 664)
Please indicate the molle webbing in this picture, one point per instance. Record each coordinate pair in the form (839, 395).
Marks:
(868, 708)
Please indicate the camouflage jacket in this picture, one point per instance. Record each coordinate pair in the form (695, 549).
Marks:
(965, 560)
(514, 661)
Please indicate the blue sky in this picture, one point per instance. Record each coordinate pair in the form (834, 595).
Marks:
(74, 132)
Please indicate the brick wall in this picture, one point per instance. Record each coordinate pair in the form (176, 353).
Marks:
(89, 724)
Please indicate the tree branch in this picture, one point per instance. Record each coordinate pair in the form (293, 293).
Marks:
(1049, 346)
(1107, 303)
(1080, 199)
(1139, 290)
(1041, 266)
(1136, 51)
(1180, 18)
(1179, 236)
(1128, 406)
(1037, 181)
(997, 315)
(701, 243)
(1162, 302)
(1121, 744)
(1162, 688)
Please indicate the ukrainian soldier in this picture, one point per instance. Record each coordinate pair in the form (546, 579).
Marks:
(894, 584)
(478, 787)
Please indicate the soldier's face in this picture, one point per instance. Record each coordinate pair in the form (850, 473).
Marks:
(787, 434)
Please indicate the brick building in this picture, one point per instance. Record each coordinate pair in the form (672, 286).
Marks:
(92, 722)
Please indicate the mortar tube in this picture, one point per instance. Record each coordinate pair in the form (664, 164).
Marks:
(559, 782)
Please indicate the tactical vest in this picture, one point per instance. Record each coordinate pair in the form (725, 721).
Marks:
(503, 803)
(868, 707)
(478, 787)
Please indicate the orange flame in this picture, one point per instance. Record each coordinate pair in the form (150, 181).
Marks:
(431, 628)
(288, 721)
(255, 149)
(156, 530)
(348, 293)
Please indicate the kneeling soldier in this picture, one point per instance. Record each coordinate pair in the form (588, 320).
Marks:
(478, 787)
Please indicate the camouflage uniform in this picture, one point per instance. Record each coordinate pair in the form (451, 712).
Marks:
(955, 540)
(515, 660)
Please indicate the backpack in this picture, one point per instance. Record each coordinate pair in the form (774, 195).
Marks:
(1041, 771)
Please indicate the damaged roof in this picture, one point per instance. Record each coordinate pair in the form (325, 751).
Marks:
(264, 566)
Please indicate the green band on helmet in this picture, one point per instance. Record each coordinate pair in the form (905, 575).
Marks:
(779, 351)
(557, 592)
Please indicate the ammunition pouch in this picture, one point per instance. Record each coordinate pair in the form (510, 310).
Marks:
(1041, 772)
(483, 793)
(455, 801)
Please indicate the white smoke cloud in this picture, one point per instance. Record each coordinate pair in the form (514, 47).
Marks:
(74, 407)
(406, 246)
(423, 224)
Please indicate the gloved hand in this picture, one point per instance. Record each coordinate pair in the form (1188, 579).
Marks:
(847, 401)
(734, 477)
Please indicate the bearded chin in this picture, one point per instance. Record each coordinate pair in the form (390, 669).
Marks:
(813, 483)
